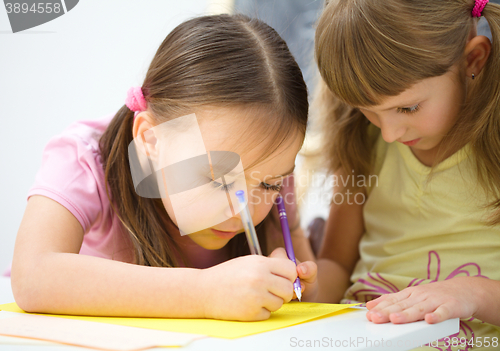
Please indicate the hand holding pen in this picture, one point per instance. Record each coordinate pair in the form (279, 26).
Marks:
(288, 241)
(309, 275)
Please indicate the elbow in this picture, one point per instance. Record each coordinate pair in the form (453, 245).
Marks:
(24, 289)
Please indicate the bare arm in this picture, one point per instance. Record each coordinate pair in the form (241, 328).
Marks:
(339, 251)
(48, 274)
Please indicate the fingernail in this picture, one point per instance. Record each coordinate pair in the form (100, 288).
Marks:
(397, 315)
(303, 269)
(379, 315)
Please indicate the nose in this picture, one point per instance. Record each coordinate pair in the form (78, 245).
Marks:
(235, 212)
(391, 130)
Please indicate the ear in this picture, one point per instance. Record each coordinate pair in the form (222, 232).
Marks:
(143, 133)
(476, 53)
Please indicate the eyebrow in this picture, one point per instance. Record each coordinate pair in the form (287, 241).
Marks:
(283, 175)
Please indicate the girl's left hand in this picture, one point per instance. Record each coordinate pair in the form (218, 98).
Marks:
(307, 272)
(434, 302)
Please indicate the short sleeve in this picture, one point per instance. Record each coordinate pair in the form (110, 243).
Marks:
(72, 174)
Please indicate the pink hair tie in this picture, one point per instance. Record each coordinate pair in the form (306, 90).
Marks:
(478, 7)
(135, 100)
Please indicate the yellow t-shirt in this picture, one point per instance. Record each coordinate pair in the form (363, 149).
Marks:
(420, 231)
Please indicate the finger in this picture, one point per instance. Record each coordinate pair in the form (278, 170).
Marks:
(273, 303)
(391, 304)
(371, 304)
(284, 268)
(414, 313)
(263, 314)
(441, 313)
(282, 288)
(391, 299)
(307, 271)
(279, 252)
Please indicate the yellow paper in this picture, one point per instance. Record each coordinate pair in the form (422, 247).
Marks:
(289, 314)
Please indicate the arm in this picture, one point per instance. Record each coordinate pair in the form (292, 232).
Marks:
(48, 275)
(339, 251)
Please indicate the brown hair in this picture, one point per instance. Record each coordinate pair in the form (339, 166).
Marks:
(221, 61)
(367, 50)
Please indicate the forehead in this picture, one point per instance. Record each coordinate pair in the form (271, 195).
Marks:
(247, 132)
(421, 90)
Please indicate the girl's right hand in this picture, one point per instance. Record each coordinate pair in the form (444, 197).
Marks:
(248, 288)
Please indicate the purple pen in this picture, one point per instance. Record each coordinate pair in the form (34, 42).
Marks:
(288, 241)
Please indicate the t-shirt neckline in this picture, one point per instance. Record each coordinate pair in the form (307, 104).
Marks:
(418, 166)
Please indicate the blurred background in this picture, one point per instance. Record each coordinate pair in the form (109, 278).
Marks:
(80, 66)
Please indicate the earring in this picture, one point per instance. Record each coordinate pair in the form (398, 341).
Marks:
(473, 76)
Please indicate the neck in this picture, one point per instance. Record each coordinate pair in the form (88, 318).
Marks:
(428, 157)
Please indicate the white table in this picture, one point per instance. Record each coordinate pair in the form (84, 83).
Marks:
(349, 331)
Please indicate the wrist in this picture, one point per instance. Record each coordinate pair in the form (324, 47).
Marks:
(486, 294)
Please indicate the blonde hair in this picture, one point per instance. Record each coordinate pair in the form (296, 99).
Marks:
(221, 61)
(368, 50)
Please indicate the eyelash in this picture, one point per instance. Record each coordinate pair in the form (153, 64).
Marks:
(228, 187)
(222, 187)
(412, 109)
(266, 186)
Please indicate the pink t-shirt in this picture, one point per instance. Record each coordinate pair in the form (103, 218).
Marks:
(72, 174)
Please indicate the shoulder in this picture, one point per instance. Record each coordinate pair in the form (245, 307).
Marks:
(78, 145)
(72, 172)
(86, 132)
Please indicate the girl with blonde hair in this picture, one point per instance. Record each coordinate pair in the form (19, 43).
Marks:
(411, 94)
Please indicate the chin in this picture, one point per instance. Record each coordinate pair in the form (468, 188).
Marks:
(215, 246)
(211, 244)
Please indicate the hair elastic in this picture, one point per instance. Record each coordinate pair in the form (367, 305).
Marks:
(135, 100)
(478, 7)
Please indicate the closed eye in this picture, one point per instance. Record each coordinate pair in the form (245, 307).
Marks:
(411, 109)
(276, 187)
(222, 187)
(263, 185)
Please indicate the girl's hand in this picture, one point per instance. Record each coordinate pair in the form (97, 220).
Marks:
(434, 302)
(306, 271)
(247, 288)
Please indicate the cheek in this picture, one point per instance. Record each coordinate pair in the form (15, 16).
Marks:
(264, 202)
(372, 117)
(439, 121)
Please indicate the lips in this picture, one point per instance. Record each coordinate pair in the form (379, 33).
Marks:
(411, 142)
(223, 234)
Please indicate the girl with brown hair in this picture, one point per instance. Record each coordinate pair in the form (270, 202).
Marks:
(410, 110)
(89, 244)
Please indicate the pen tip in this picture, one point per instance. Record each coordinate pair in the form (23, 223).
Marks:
(299, 294)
